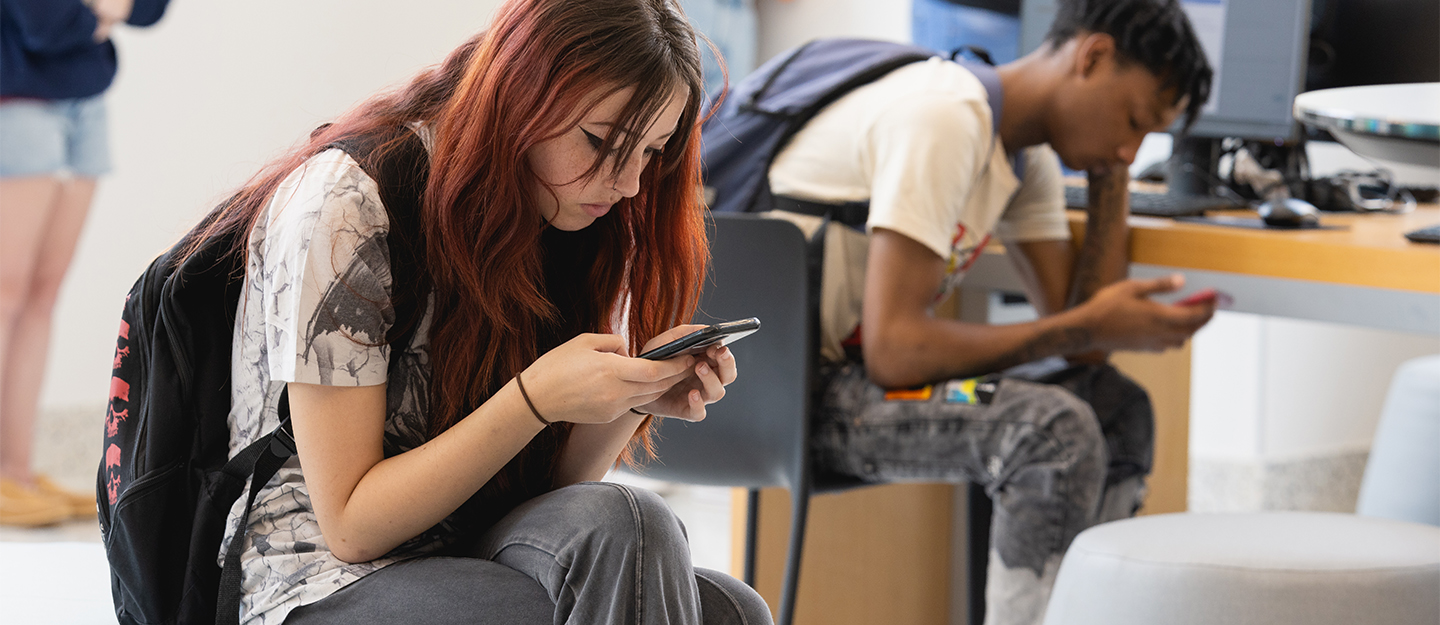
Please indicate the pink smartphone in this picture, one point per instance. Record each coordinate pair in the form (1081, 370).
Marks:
(1221, 298)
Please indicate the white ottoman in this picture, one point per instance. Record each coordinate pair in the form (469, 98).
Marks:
(1278, 568)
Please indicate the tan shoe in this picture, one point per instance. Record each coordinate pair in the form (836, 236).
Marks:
(81, 506)
(22, 507)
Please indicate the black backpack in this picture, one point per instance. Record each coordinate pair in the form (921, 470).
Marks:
(764, 111)
(165, 484)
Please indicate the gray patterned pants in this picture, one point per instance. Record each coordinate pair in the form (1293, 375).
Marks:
(1058, 449)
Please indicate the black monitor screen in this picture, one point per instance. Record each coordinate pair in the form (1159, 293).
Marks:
(1373, 42)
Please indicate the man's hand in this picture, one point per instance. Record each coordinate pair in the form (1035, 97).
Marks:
(1123, 317)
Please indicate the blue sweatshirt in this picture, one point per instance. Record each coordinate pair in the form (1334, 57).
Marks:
(47, 48)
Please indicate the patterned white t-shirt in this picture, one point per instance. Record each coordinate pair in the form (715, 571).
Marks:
(314, 309)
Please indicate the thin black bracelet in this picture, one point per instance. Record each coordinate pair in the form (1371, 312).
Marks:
(643, 414)
(529, 403)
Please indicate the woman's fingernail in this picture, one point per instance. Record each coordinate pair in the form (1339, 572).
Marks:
(703, 369)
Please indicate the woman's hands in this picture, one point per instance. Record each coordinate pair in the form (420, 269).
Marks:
(592, 379)
(709, 374)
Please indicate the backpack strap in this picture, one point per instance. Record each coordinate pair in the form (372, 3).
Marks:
(400, 165)
(259, 461)
(990, 79)
(855, 214)
(852, 214)
(762, 113)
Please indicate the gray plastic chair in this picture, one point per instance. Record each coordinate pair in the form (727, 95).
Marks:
(757, 436)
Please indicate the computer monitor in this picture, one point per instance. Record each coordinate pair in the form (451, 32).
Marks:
(1373, 42)
(1258, 51)
(1257, 48)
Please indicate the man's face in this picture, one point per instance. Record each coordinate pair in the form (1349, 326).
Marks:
(1105, 107)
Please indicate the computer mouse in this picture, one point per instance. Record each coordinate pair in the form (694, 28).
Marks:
(1289, 213)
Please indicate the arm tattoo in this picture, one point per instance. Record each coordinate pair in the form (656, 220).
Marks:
(1055, 342)
(1058, 341)
(1086, 280)
(1103, 257)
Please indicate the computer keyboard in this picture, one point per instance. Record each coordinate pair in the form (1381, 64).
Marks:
(1156, 204)
(1429, 234)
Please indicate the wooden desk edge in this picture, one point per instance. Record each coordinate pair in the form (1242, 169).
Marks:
(1372, 253)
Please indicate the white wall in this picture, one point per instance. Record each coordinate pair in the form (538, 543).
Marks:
(1272, 390)
(787, 24)
(201, 101)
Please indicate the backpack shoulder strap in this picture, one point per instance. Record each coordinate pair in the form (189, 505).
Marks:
(817, 73)
(400, 165)
(889, 56)
(259, 462)
(764, 111)
(995, 95)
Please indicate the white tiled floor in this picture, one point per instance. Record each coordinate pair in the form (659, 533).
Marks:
(55, 575)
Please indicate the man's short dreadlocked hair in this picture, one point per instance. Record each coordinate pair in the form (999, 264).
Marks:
(1154, 33)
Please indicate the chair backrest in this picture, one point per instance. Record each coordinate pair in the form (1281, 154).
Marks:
(1402, 476)
(756, 435)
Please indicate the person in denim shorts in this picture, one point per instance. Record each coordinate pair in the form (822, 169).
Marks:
(949, 159)
(57, 62)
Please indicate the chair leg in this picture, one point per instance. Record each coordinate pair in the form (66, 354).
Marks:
(979, 510)
(752, 527)
(799, 509)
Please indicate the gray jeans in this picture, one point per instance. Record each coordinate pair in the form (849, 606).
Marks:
(1057, 448)
(594, 553)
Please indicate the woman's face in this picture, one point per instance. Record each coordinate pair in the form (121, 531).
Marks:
(572, 200)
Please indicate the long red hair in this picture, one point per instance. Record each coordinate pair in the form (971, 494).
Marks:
(527, 79)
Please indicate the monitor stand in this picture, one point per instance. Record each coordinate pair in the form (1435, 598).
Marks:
(1191, 175)
(1193, 166)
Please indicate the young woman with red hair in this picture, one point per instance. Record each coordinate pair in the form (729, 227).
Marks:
(561, 233)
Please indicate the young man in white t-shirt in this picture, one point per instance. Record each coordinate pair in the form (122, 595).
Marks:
(1064, 441)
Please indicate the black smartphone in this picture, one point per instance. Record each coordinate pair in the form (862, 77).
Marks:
(697, 341)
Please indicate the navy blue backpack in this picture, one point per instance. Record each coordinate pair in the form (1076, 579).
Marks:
(764, 111)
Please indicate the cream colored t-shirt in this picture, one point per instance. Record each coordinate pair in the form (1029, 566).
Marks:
(918, 144)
